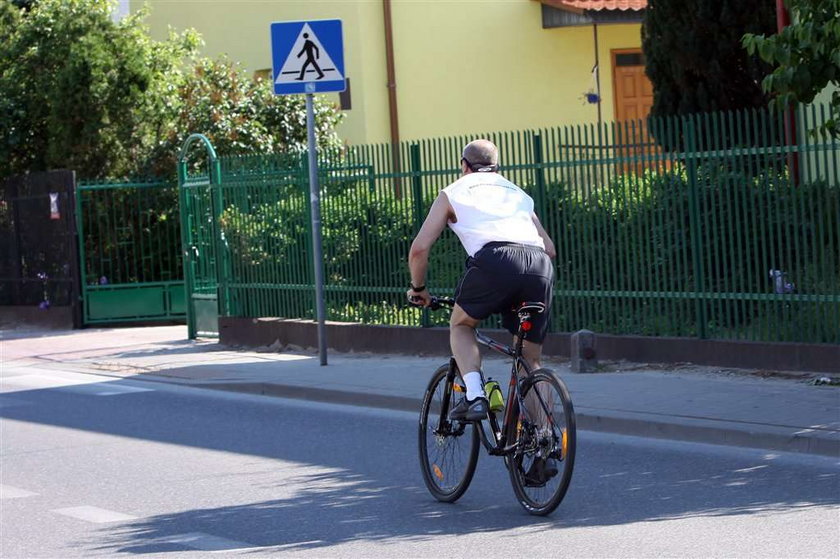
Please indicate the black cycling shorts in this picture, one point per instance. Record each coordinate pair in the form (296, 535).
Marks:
(500, 277)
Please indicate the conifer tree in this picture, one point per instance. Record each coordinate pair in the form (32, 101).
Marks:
(695, 59)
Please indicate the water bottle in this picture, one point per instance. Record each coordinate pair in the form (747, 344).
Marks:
(494, 395)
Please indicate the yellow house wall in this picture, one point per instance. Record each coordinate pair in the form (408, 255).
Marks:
(240, 30)
(461, 67)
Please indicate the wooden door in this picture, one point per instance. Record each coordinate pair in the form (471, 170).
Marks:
(633, 93)
(633, 90)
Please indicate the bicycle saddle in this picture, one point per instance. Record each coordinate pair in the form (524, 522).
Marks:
(531, 307)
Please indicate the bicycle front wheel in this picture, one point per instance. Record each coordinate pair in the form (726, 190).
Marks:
(541, 466)
(448, 449)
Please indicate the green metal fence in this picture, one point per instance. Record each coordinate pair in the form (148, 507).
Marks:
(733, 235)
(720, 240)
(130, 252)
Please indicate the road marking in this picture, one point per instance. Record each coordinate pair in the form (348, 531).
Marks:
(754, 468)
(94, 514)
(204, 542)
(9, 492)
(77, 383)
(268, 548)
(23, 382)
(115, 390)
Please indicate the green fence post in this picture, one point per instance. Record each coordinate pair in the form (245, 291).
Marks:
(690, 157)
(186, 247)
(222, 268)
(539, 176)
(417, 194)
(80, 234)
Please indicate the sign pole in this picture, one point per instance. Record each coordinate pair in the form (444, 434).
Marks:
(317, 249)
(308, 57)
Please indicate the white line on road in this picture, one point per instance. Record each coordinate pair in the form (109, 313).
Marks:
(9, 492)
(271, 548)
(204, 542)
(78, 383)
(94, 514)
(117, 390)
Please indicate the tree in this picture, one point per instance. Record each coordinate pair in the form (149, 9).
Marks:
(9, 17)
(79, 91)
(694, 58)
(240, 115)
(806, 55)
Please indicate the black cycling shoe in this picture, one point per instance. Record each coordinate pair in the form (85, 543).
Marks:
(540, 472)
(470, 410)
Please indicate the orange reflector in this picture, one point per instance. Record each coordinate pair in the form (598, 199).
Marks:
(437, 471)
(565, 444)
(526, 326)
(458, 388)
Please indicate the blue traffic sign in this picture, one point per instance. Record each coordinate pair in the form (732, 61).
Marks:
(307, 56)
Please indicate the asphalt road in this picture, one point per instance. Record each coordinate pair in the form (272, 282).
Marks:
(105, 468)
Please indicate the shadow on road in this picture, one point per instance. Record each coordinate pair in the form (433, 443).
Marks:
(348, 476)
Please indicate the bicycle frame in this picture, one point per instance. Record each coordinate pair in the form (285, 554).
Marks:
(499, 446)
(500, 434)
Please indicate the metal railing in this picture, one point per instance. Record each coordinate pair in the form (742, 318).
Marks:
(732, 234)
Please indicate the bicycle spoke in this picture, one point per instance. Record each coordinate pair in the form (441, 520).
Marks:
(448, 450)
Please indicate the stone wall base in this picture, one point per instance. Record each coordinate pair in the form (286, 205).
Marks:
(54, 318)
(351, 337)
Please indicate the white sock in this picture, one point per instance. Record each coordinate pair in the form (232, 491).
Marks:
(474, 387)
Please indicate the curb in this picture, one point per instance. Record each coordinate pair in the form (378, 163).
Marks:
(713, 431)
(701, 430)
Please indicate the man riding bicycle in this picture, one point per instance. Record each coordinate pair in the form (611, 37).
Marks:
(509, 263)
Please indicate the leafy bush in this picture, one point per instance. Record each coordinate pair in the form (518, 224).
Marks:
(362, 232)
(239, 115)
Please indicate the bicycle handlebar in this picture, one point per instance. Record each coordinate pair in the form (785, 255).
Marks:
(437, 303)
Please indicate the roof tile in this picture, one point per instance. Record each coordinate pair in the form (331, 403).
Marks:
(596, 5)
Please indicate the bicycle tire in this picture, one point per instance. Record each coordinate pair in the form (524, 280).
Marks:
(534, 442)
(441, 461)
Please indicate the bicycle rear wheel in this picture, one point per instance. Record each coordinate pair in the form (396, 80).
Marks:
(448, 449)
(541, 467)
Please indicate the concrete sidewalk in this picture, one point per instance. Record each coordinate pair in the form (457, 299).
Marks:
(701, 404)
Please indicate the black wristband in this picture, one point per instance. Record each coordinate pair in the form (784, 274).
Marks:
(416, 289)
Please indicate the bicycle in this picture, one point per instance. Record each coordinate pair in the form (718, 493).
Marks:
(537, 429)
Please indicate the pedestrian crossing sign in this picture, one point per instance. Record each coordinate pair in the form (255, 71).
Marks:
(307, 56)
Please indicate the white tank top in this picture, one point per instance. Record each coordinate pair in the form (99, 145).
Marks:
(490, 208)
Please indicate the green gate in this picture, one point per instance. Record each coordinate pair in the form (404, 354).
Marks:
(201, 238)
(128, 250)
